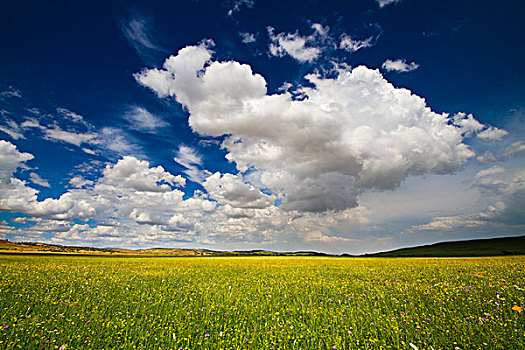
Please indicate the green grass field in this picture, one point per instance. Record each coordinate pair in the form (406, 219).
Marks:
(53, 302)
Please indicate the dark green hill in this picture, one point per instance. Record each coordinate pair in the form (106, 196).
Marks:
(477, 247)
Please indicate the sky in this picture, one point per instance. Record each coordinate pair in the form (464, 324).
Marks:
(334, 126)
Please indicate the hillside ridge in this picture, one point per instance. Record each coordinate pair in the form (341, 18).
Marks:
(500, 246)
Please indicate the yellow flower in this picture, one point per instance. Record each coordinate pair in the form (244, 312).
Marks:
(517, 308)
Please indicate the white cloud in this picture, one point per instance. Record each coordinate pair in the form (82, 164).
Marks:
(192, 161)
(399, 65)
(449, 223)
(55, 133)
(503, 189)
(489, 172)
(487, 157)
(349, 44)
(15, 195)
(130, 172)
(515, 148)
(10, 160)
(73, 117)
(233, 191)
(467, 123)
(299, 47)
(52, 131)
(492, 133)
(188, 157)
(237, 5)
(383, 3)
(351, 133)
(36, 179)
(142, 120)
(182, 65)
(30, 123)
(117, 141)
(138, 34)
(471, 126)
(72, 128)
(310, 48)
(318, 237)
(79, 182)
(247, 38)
(12, 129)
(135, 204)
(10, 93)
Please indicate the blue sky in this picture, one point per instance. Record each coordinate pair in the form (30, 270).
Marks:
(337, 126)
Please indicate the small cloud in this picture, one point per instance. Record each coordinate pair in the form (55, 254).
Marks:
(36, 179)
(67, 126)
(10, 93)
(399, 65)
(429, 34)
(492, 133)
(467, 123)
(191, 160)
(489, 172)
(349, 44)
(55, 133)
(301, 48)
(138, 34)
(486, 157)
(142, 120)
(116, 140)
(72, 116)
(383, 3)
(79, 182)
(515, 148)
(12, 129)
(187, 156)
(247, 38)
(318, 237)
(237, 5)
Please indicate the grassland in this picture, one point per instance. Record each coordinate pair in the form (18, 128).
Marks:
(52, 302)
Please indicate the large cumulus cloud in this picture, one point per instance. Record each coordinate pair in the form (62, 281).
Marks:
(317, 147)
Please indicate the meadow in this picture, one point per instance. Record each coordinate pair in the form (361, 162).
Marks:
(64, 302)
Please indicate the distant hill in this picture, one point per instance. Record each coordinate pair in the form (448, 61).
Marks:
(8, 247)
(476, 247)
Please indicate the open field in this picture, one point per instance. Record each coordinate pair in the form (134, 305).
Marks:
(50, 302)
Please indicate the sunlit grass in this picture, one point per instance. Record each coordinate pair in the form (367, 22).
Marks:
(239, 303)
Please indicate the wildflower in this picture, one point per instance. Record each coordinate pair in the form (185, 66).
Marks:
(63, 347)
(517, 308)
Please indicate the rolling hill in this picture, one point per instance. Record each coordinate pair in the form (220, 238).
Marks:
(478, 247)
